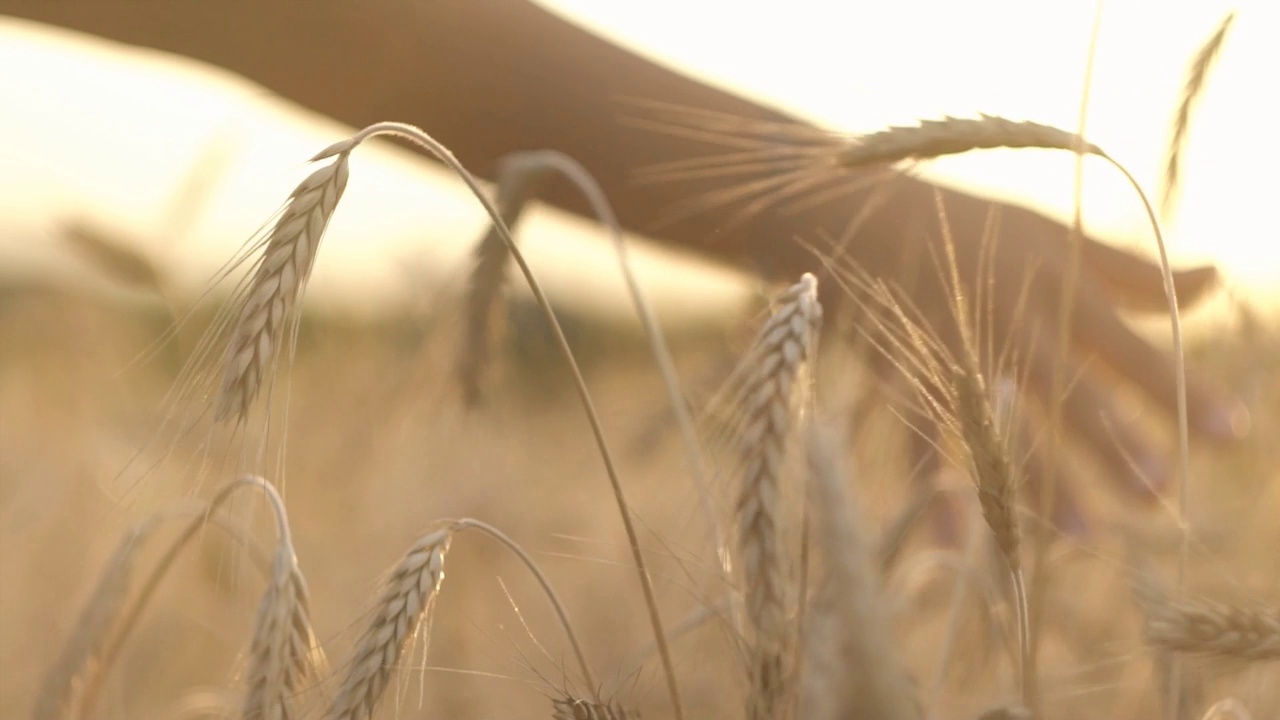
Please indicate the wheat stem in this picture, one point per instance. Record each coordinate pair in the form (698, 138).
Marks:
(443, 154)
(523, 169)
(552, 596)
(130, 618)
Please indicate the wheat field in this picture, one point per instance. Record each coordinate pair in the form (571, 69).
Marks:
(238, 510)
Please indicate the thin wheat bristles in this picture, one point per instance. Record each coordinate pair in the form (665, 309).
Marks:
(571, 708)
(277, 285)
(1192, 88)
(782, 349)
(405, 602)
(1203, 627)
(83, 650)
(283, 641)
(949, 136)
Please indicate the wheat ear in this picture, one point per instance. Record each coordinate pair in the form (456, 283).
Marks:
(277, 285)
(84, 648)
(949, 136)
(133, 611)
(783, 348)
(1192, 88)
(284, 643)
(993, 471)
(404, 604)
(852, 669)
(992, 467)
(1204, 627)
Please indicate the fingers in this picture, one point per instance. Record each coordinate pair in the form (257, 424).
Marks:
(1098, 330)
(1135, 283)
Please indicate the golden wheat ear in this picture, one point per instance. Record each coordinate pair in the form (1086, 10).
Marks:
(1135, 283)
(1192, 89)
(277, 286)
(782, 353)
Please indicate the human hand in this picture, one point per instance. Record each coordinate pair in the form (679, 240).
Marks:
(1015, 269)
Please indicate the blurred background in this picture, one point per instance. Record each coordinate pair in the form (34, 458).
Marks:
(129, 177)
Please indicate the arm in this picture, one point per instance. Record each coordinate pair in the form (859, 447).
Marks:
(487, 78)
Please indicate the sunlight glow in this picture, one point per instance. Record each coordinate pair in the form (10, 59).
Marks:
(859, 66)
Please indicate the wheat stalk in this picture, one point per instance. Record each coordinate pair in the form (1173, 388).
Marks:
(1192, 88)
(405, 602)
(130, 614)
(442, 153)
(572, 708)
(277, 285)
(522, 177)
(778, 357)
(284, 643)
(950, 135)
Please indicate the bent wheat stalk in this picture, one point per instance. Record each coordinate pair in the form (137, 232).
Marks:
(405, 605)
(284, 645)
(132, 613)
(522, 176)
(417, 136)
(956, 135)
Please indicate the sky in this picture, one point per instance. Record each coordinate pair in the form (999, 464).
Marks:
(843, 65)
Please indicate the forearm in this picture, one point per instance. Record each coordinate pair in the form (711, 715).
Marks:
(487, 78)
